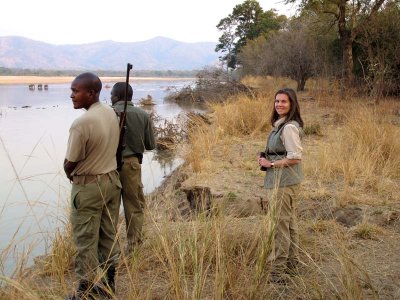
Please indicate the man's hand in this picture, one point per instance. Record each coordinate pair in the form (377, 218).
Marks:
(69, 167)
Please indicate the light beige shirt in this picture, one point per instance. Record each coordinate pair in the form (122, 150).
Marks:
(291, 139)
(93, 141)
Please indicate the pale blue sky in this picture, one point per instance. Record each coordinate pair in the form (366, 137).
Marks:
(86, 21)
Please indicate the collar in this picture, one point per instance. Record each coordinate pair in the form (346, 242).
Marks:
(94, 104)
(122, 102)
(279, 121)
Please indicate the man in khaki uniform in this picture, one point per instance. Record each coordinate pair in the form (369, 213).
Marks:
(139, 136)
(90, 164)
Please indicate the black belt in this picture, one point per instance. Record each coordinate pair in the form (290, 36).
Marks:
(277, 153)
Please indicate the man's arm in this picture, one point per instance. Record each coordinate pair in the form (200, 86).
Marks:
(69, 166)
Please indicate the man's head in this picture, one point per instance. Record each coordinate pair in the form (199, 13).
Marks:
(118, 92)
(85, 89)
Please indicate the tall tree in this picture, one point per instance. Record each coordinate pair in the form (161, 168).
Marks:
(351, 16)
(378, 52)
(292, 52)
(246, 22)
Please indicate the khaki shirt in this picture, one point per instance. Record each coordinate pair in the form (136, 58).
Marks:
(291, 139)
(93, 141)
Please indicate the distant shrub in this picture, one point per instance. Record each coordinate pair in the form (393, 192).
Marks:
(312, 129)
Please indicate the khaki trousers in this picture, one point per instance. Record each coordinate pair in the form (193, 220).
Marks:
(282, 215)
(94, 219)
(133, 199)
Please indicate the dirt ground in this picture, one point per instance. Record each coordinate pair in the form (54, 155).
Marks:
(363, 232)
(349, 236)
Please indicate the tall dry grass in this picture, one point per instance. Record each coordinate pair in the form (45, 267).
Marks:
(361, 150)
(221, 257)
(238, 117)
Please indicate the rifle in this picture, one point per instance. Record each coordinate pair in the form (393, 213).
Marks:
(122, 121)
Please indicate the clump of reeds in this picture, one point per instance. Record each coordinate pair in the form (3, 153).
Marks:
(148, 101)
(243, 116)
(239, 117)
(168, 133)
(60, 260)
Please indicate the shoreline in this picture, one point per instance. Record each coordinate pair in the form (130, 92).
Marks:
(11, 80)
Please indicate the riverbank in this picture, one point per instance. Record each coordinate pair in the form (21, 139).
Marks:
(349, 209)
(206, 231)
(68, 79)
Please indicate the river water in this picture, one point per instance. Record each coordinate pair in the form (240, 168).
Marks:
(34, 192)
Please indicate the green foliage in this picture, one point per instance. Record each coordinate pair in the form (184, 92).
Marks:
(246, 22)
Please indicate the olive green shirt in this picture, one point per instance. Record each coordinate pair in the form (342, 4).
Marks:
(139, 133)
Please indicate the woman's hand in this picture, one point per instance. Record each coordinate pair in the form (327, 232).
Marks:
(286, 162)
(263, 162)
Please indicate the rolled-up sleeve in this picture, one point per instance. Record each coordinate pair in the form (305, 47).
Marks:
(291, 140)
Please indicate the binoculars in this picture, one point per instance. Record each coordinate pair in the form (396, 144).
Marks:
(262, 154)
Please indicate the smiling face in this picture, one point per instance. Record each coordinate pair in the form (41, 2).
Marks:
(282, 104)
(81, 96)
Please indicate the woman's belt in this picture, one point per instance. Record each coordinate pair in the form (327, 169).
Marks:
(277, 153)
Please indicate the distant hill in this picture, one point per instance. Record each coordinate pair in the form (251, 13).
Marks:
(155, 54)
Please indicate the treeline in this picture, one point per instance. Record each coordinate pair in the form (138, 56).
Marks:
(136, 73)
(355, 42)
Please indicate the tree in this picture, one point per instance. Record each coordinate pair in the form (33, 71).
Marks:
(253, 57)
(350, 16)
(227, 41)
(246, 22)
(379, 50)
(292, 52)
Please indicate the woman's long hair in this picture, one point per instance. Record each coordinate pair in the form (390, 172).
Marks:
(294, 112)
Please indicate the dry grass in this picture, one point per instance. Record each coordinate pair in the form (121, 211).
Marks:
(352, 158)
(361, 153)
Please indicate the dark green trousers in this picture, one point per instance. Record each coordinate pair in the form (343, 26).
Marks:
(133, 200)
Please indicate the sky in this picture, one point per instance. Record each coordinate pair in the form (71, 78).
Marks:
(86, 21)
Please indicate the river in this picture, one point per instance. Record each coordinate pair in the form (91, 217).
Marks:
(34, 192)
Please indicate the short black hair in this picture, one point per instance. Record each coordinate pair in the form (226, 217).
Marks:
(90, 81)
(118, 91)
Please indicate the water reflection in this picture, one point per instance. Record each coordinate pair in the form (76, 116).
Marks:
(34, 192)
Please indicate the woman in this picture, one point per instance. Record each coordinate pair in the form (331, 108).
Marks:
(284, 174)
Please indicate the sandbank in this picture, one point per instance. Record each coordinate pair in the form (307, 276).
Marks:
(67, 79)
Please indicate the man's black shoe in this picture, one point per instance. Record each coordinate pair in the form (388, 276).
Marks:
(102, 291)
(111, 278)
(83, 292)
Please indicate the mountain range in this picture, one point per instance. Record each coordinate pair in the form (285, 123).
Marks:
(159, 53)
